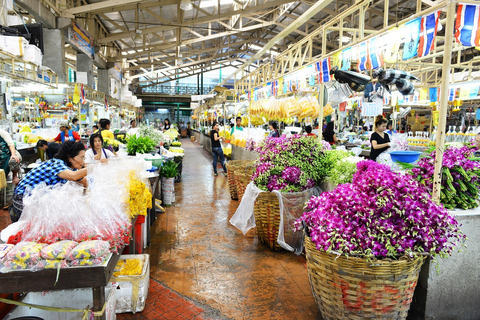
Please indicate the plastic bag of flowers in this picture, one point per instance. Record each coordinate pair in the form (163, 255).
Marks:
(366, 241)
(285, 176)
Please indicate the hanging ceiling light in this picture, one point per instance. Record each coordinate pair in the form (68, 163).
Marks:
(138, 39)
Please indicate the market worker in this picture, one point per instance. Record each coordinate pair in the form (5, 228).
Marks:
(272, 125)
(390, 130)
(308, 130)
(217, 151)
(10, 158)
(133, 124)
(105, 129)
(329, 134)
(75, 125)
(166, 125)
(238, 125)
(372, 90)
(51, 149)
(66, 134)
(380, 140)
(97, 152)
(67, 165)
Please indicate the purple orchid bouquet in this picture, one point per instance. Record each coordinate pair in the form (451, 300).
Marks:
(381, 214)
(250, 144)
(460, 178)
(292, 164)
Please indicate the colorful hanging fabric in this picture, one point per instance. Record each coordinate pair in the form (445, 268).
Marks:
(392, 40)
(428, 32)
(82, 95)
(346, 59)
(106, 103)
(451, 94)
(76, 94)
(412, 36)
(374, 57)
(362, 56)
(433, 92)
(466, 26)
(474, 91)
(323, 70)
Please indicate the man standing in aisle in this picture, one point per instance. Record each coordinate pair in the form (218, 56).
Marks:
(373, 90)
(238, 125)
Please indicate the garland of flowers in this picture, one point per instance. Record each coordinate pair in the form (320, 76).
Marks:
(380, 214)
(292, 164)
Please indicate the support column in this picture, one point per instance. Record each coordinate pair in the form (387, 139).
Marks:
(54, 52)
(103, 81)
(85, 65)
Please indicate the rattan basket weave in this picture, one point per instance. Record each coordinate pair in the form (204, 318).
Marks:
(231, 167)
(267, 219)
(243, 176)
(352, 288)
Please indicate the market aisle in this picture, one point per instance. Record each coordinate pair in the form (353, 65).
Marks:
(197, 253)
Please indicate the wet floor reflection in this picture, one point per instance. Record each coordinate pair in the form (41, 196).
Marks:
(196, 252)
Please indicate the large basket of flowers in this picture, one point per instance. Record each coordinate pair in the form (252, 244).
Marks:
(232, 166)
(366, 242)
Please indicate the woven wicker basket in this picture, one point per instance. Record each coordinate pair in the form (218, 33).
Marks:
(267, 219)
(351, 288)
(231, 177)
(243, 176)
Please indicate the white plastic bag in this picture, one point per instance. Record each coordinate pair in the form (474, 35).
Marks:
(291, 209)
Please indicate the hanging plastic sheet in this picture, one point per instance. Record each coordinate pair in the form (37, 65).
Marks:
(291, 208)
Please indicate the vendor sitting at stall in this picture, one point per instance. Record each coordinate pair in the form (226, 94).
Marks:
(308, 131)
(67, 165)
(105, 129)
(97, 152)
(238, 125)
(66, 134)
(9, 157)
(50, 149)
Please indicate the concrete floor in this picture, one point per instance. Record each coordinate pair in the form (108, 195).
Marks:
(197, 253)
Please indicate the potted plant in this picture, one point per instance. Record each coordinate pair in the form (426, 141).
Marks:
(168, 173)
(366, 241)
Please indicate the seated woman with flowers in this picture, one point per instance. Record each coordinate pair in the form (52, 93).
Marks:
(97, 152)
(66, 165)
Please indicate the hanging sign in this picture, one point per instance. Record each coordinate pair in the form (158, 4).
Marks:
(80, 38)
(412, 36)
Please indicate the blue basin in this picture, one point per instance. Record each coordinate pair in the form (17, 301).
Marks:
(405, 156)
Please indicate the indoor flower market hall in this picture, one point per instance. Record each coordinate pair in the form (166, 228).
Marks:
(203, 267)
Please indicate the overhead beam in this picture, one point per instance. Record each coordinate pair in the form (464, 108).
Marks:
(114, 6)
(313, 10)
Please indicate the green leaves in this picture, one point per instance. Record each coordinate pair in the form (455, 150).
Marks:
(169, 169)
(139, 144)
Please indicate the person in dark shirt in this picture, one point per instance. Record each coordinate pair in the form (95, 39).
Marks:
(329, 134)
(217, 151)
(379, 139)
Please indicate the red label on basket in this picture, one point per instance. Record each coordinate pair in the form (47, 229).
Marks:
(386, 292)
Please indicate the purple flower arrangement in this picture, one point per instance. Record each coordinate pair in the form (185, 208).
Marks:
(381, 214)
(460, 177)
(250, 144)
(292, 164)
(326, 145)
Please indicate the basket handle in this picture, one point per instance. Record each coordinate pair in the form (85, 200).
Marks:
(250, 167)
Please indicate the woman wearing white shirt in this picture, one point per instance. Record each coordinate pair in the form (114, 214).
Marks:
(96, 152)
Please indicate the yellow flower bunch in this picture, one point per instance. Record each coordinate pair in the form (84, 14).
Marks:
(132, 267)
(111, 142)
(176, 150)
(225, 134)
(140, 198)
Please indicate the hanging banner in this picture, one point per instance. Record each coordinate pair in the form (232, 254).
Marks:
(423, 95)
(392, 48)
(374, 57)
(362, 56)
(412, 36)
(464, 93)
(323, 70)
(428, 32)
(346, 59)
(76, 95)
(466, 24)
(451, 94)
(474, 91)
(80, 38)
(337, 60)
(433, 93)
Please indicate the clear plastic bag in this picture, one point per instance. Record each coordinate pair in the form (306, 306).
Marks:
(89, 250)
(291, 209)
(58, 250)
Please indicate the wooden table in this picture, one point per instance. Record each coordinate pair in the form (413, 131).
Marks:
(95, 277)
